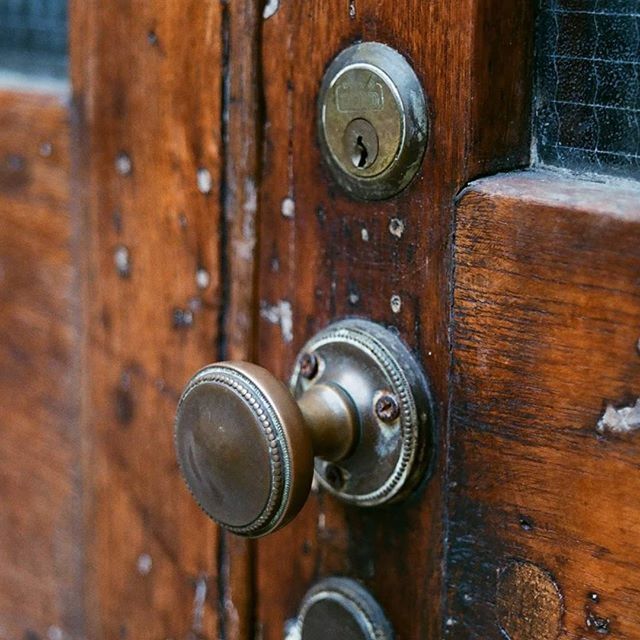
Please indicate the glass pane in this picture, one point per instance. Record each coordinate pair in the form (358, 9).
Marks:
(33, 36)
(588, 93)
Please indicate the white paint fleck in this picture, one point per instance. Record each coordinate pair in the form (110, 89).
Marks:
(364, 234)
(354, 298)
(624, 420)
(245, 245)
(199, 600)
(288, 207)
(55, 633)
(122, 260)
(204, 181)
(292, 630)
(396, 227)
(352, 9)
(124, 164)
(144, 564)
(46, 149)
(270, 8)
(451, 622)
(250, 205)
(396, 303)
(280, 314)
(203, 279)
(322, 521)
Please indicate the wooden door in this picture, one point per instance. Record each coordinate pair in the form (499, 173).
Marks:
(195, 220)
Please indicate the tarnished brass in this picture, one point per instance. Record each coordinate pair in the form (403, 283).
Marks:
(341, 608)
(372, 121)
(246, 445)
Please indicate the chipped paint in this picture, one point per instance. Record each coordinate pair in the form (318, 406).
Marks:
(288, 208)
(124, 164)
(623, 420)
(396, 303)
(270, 8)
(122, 261)
(279, 314)
(245, 245)
(203, 278)
(55, 633)
(364, 234)
(45, 150)
(204, 181)
(292, 630)
(144, 564)
(396, 227)
(199, 600)
(181, 318)
(352, 9)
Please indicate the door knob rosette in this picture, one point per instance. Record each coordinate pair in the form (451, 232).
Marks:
(358, 403)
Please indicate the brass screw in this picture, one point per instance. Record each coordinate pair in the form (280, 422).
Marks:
(308, 365)
(387, 407)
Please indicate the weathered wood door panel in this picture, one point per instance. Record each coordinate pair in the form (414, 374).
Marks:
(546, 367)
(324, 256)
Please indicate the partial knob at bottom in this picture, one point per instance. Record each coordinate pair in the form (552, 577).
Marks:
(358, 404)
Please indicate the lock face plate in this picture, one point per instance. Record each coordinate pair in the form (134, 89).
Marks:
(394, 445)
(372, 121)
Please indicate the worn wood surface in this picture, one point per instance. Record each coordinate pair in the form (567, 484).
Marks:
(545, 337)
(323, 256)
(40, 520)
(149, 103)
(242, 136)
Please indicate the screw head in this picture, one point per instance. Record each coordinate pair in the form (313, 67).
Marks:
(308, 365)
(387, 407)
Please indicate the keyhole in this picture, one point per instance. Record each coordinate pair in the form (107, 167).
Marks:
(360, 154)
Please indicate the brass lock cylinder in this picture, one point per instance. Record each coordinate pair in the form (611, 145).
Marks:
(372, 121)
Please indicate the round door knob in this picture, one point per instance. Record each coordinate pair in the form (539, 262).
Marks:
(358, 405)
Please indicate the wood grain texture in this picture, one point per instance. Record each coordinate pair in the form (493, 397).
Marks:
(242, 137)
(148, 99)
(330, 257)
(40, 519)
(546, 328)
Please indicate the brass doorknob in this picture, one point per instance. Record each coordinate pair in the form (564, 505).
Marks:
(358, 403)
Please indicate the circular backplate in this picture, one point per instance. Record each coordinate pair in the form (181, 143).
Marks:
(372, 121)
(391, 455)
(341, 608)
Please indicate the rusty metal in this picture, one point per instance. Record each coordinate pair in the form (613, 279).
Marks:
(308, 365)
(246, 445)
(372, 121)
(387, 407)
(528, 602)
(341, 608)
(390, 458)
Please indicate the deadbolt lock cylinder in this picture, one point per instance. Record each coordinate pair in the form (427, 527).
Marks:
(357, 411)
(372, 121)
